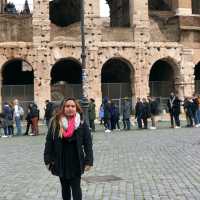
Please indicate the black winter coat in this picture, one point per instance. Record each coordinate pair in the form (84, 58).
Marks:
(176, 106)
(53, 149)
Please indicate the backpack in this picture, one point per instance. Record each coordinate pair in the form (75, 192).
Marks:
(21, 111)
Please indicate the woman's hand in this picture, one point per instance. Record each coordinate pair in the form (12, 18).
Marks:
(87, 168)
(48, 166)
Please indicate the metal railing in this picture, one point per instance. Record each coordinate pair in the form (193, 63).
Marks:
(161, 88)
(24, 93)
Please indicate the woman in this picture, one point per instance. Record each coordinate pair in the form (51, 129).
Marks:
(68, 149)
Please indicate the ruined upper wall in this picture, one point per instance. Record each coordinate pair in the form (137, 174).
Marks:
(164, 27)
(15, 28)
(119, 13)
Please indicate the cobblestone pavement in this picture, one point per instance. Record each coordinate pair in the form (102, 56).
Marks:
(162, 164)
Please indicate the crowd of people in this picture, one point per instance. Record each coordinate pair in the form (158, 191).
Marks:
(13, 113)
(146, 110)
(110, 115)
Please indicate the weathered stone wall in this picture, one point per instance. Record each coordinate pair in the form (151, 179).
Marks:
(15, 28)
(164, 28)
(172, 37)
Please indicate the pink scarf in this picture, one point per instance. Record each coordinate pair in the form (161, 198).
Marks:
(71, 127)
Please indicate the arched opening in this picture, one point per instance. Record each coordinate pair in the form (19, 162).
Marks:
(197, 78)
(161, 5)
(64, 13)
(18, 81)
(66, 79)
(116, 80)
(195, 7)
(161, 81)
(119, 13)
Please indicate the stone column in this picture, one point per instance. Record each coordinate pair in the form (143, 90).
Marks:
(92, 37)
(139, 20)
(41, 39)
(141, 73)
(185, 82)
(41, 23)
(42, 89)
(182, 7)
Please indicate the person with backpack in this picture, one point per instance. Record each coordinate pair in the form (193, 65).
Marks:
(68, 149)
(126, 112)
(8, 120)
(154, 111)
(115, 115)
(34, 115)
(145, 112)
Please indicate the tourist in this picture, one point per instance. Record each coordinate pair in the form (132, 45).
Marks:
(154, 111)
(92, 114)
(107, 115)
(34, 115)
(173, 105)
(126, 112)
(138, 112)
(28, 120)
(18, 115)
(68, 149)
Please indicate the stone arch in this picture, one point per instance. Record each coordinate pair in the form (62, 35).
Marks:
(162, 77)
(17, 81)
(63, 13)
(66, 79)
(117, 79)
(175, 64)
(197, 78)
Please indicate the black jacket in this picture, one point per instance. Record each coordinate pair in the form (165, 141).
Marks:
(175, 107)
(53, 149)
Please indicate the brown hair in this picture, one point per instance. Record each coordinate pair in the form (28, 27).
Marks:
(60, 112)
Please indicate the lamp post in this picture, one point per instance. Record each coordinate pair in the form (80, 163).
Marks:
(84, 100)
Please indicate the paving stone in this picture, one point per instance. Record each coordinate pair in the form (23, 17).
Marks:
(151, 165)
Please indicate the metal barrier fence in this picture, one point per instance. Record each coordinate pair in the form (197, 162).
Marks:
(24, 93)
(197, 86)
(161, 88)
(115, 91)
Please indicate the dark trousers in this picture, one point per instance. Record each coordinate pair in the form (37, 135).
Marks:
(127, 124)
(139, 121)
(107, 123)
(177, 120)
(73, 185)
(115, 123)
(8, 130)
(174, 117)
(29, 122)
(145, 122)
(92, 125)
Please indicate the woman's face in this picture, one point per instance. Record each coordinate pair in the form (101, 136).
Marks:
(70, 108)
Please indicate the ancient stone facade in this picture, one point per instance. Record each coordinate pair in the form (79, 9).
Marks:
(145, 36)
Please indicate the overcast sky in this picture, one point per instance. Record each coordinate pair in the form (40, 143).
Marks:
(104, 10)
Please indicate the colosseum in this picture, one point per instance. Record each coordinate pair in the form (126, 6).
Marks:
(145, 47)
